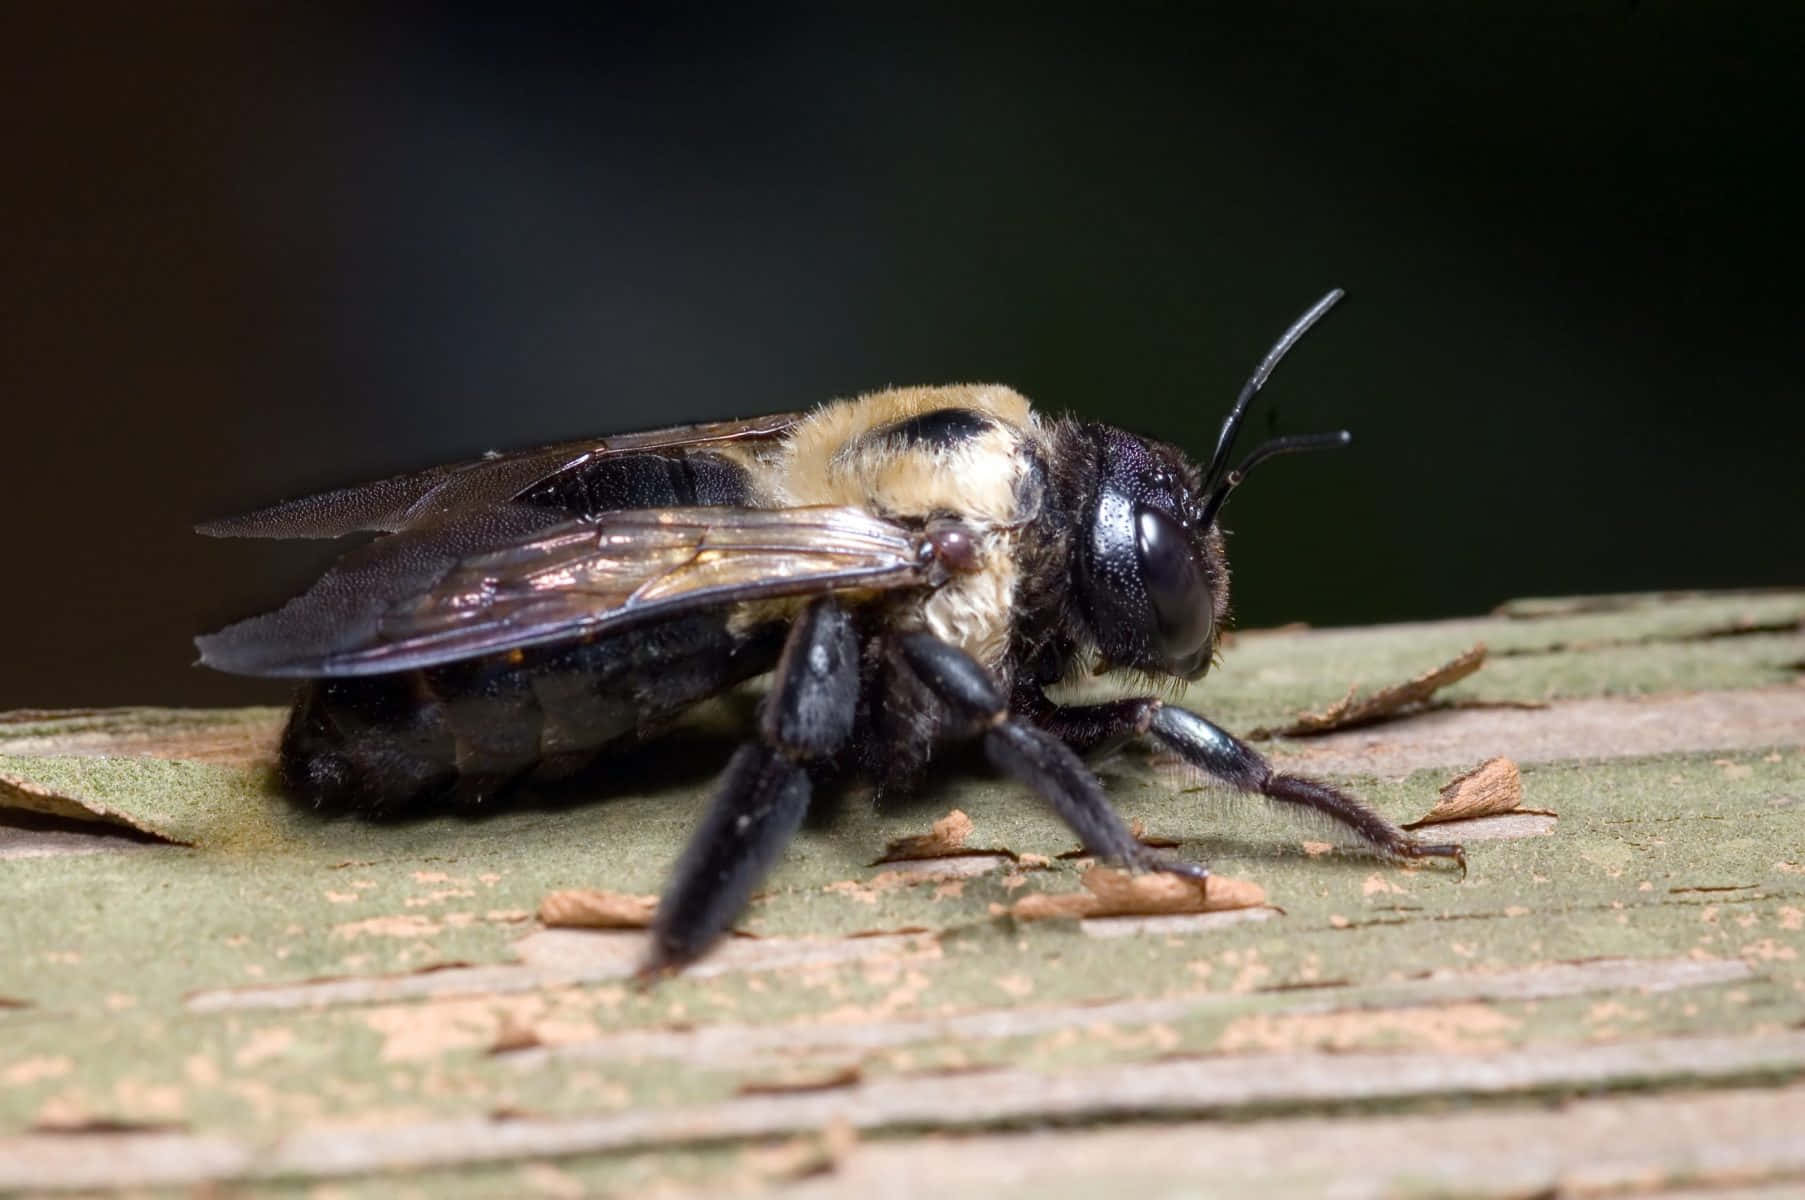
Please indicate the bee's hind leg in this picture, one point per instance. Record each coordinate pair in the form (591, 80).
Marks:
(1032, 755)
(764, 793)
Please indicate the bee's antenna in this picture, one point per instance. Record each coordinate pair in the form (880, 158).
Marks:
(1285, 445)
(1232, 426)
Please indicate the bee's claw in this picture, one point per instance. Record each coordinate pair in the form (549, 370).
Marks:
(1168, 864)
(1442, 850)
(653, 971)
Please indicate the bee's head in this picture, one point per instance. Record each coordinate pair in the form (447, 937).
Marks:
(1152, 578)
(1151, 574)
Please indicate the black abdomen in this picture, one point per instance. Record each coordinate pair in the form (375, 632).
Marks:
(460, 734)
(619, 481)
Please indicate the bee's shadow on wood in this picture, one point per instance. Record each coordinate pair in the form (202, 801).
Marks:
(1346, 858)
(685, 761)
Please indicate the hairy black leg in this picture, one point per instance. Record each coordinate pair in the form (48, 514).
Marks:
(1031, 755)
(1087, 728)
(1211, 748)
(765, 791)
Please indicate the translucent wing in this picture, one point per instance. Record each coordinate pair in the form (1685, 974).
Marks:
(412, 501)
(515, 576)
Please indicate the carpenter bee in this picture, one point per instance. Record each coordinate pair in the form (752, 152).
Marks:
(910, 567)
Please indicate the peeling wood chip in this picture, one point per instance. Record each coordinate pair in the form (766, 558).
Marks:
(1401, 699)
(945, 840)
(513, 1112)
(947, 837)
(105, 1126)
(899, 931)
(512, 1034)
(1138, 828)
(27, 795)
(804, 1156)
(789, 1161)
(838, 1077)
(1114, 893)
(1125, 893)
(590, 908)
(1494, 786)
(840, 1137)
(1304, 985)
(1491, 789)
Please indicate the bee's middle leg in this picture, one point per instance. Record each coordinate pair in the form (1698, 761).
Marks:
(765, 791)
(1032, 755)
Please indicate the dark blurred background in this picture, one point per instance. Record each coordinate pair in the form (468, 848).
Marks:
(253, 251)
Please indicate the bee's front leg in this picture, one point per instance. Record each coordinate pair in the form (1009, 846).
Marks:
(765, 790)
(1090, 729)
(1210, 748)
(1032, 755)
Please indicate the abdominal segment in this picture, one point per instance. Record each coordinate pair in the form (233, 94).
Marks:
(676, 479)
(463, 734)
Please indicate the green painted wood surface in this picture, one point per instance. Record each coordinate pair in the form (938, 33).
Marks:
(266, 997)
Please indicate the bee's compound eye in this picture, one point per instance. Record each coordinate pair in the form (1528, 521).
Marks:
(1175, 585)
